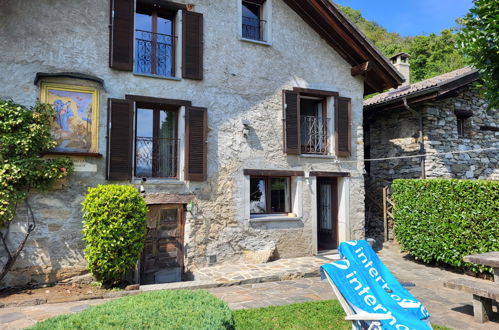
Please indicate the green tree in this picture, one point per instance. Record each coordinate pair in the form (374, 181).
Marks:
(479, 37)
(24, 136)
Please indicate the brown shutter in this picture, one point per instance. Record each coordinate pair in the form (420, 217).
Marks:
(120, 139)
(121, 38)
(196, 134)
(192, 45)
(292, 143)
(343, 127)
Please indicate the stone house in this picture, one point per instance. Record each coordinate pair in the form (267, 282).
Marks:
(445, 117)
(241, 121)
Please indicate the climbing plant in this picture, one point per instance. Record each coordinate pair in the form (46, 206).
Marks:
(24, 136)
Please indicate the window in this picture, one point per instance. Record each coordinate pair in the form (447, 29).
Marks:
(461, 126)
(252, 23)
(156, 142)
(314, 125)
(270, 195)
(154, 41)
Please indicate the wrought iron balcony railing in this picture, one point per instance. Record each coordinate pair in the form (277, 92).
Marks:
(154, 53)
(314, 135)
(253, 28)
(156, 157)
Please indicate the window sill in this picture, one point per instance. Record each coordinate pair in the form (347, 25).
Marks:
(318, 156)
(159, 181)
(258, 42)
(272, 218)
(155, 76)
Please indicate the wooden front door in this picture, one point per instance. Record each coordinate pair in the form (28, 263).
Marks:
(327, 213)
(163, 257)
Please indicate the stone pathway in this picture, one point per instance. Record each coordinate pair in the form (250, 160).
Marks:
(448, 307)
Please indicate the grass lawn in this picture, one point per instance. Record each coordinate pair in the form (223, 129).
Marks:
(311, 315)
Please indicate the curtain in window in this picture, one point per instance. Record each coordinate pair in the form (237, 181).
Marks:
(325, 205)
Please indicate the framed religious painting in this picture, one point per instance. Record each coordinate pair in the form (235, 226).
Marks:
(76, 123)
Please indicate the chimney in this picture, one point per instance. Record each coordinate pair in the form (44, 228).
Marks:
(401, 62)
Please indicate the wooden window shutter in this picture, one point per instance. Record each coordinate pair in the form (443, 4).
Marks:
(122, 35)
(343, 127)
(192, 45)
(120, 139)
(292, 143)
(196, 151)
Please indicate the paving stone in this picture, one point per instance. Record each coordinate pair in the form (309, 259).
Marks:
(9, 317)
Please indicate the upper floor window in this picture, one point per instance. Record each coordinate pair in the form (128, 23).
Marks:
(154, 41)
(314, 125)
(252, 22)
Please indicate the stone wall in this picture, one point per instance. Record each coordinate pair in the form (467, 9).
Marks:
(242, 81)
(395, 132)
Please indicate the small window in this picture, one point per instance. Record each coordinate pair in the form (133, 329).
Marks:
(461, 126)
(154, 41)
(156, 142)
(252, 23)
(270, 195)
(314, 125)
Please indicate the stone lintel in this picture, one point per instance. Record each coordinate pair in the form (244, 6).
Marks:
(162, 198)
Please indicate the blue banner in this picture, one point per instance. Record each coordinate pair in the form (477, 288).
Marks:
(379, 277)
(362, 297)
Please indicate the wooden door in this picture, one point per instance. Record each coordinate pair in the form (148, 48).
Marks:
(327, 213)
(163, 257)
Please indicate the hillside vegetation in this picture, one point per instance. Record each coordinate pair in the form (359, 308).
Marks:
(431, 55)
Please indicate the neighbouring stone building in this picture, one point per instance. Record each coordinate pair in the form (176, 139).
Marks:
(452, 118)
(244, 117)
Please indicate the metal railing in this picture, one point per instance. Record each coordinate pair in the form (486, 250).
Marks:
(156, 157)
(253, 28)
(314, 135)
(154, 53)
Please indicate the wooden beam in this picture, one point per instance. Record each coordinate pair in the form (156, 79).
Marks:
(329, 174)
(361, 69)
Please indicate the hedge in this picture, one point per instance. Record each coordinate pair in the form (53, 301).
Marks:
(438, 220)
(180, 309)
(113, 230)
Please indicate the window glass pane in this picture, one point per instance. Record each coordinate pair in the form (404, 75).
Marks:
(279, 195)
(165, 25)
(251, 20)
(164, 47)
(258, 202)
(144, 143)
(167, 144)
(143, 22)
(143, 43)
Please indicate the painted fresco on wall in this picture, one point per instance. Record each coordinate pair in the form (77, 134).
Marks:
(75, 126)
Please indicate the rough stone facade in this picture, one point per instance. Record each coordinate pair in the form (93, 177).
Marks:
(242, 81)
(395, 132)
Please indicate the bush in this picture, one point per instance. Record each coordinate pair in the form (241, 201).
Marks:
(114, 230)
(154, 310)
(443, 220)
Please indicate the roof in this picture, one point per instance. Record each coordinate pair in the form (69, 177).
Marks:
(350, 43)
(439, 84)
(400, 54)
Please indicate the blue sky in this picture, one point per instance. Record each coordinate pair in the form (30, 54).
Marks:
(411, 17)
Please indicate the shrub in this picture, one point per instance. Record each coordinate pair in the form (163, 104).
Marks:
(114, 230)
(154, 310)
(443, 220)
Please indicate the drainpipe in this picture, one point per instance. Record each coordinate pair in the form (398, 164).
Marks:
(421, 140)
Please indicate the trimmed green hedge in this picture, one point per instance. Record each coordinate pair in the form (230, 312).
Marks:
(438, 220)
(154, 310)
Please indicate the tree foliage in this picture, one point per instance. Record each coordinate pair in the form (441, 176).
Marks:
(431, 55)
(24, 135)
(479, 38)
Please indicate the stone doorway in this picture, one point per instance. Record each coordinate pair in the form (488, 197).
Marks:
(162, 260)
(327, 213)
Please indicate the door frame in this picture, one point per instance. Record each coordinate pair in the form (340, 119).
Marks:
(180, 241)
(333, 181)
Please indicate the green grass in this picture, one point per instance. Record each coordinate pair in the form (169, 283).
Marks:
(310, 315)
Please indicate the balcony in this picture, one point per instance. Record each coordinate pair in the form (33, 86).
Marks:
(156, 157)
(314, 135)
(154, 53)
(253, 28)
